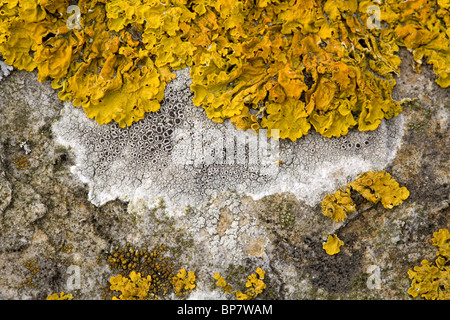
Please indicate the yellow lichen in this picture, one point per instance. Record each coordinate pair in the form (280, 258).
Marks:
(222, 283)
(103, 66)
(338, 205)
(291, 62)
(285, 65)
(255, 285)
(61, 296)
(184, 282)
(373, 186)
(245, 121)
(33, 268)
(442, 241)
(333, 244)
(67, 248)
(133, 288)
(432, 281)
(21, 162)
(153, 263)
(380, 187)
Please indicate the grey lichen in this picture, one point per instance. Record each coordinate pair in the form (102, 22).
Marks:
(180, 155)
(5, 69)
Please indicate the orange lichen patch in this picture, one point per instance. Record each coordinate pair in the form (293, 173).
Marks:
(222, 283)
(432, 281)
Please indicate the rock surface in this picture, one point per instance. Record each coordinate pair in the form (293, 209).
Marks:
(55, 213)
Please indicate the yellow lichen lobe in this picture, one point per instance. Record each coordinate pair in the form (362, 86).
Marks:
(298, 64)
(128, 259)
(442, 241)
(21, 162)
(332, 245)
(222, 283)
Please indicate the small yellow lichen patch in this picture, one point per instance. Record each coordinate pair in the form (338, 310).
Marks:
(429, 281)
(442, 241)
(373, 186)
(153, 263)
(33, 267)
(61, 296)
(184, 282)
(380, 187)
(338, 205)
(21, 162)
(67, 248)
(222, 283)
(332, 245)
(132, 288)
(255, 285)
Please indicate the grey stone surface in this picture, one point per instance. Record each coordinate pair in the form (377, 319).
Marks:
(277, 225)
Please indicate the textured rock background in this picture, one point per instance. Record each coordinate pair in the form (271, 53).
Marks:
(46, 213)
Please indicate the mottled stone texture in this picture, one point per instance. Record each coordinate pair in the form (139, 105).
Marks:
(49, 212)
